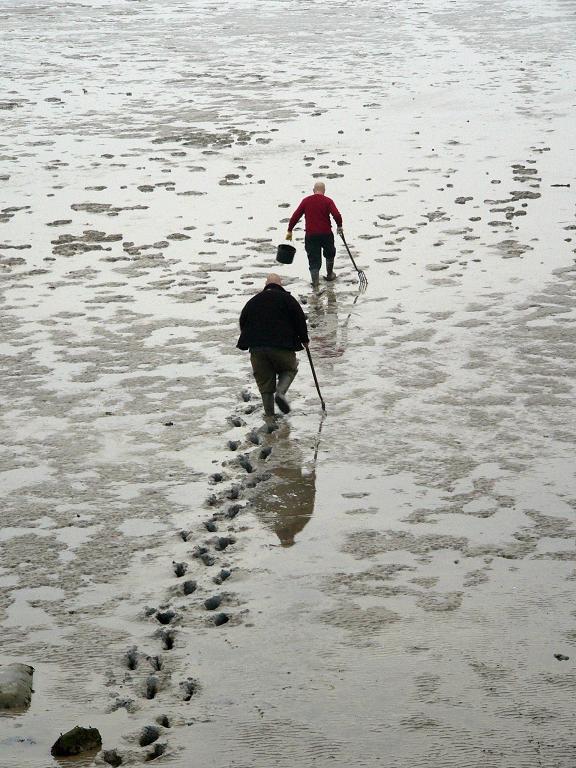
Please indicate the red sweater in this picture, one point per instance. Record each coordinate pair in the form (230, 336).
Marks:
(316, 209)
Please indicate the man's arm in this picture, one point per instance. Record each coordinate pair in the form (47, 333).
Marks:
(336, 215)
(294, 219)
(299, 319)
(244, 314)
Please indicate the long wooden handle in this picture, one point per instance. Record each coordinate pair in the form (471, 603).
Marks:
(323, 404)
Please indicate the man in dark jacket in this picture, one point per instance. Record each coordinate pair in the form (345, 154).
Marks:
(273, 327)
(317, 209)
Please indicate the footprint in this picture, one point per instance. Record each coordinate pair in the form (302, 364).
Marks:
(233, 493)
(233, 510)
(189, 688)
(149, 735)
(151, 687)
(164, 721)
(158, 751)
(223, 542)
(167, 637)
(211, 526)
(111, 757)
(222, 576)
(189, 587)
(165, 617)
(132, 657)
(245, 463)
(155, 663)
(212, 603)
(179, 568)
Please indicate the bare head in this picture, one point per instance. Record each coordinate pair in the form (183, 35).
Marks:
(273, 279)
(319, 188)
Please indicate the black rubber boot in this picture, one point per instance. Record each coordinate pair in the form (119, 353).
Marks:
(330, 270)
(284, 380)
(268, 403)
(315, 277)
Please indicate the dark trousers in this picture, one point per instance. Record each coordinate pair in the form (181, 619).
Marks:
(267, 362)
(315, 245)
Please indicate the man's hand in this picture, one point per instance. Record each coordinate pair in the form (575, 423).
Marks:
(340, 231)
(288, 235)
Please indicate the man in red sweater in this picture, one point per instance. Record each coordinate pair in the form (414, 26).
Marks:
(317, 209)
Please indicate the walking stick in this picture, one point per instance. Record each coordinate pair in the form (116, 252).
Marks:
(323, 404)
(361, 275)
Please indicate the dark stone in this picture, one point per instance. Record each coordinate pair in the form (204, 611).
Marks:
(561, 657)
(211, 526)
(208, 559)
(220, 618)
(217, 477)
(233, 444)
(233, 510)
(254, 437)
(212, 603)
(76, 741)
(265, 452)
(15, 686)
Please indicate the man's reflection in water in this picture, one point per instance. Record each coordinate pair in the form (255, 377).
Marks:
(330, 336)
(285, 503)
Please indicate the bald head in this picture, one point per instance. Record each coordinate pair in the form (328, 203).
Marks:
(274, 279)
(319, 188)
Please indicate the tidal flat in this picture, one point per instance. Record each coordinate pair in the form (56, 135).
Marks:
(390, 584)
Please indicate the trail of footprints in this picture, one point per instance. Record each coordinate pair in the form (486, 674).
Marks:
(148, 674)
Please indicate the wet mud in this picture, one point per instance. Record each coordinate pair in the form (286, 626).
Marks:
(387, 584)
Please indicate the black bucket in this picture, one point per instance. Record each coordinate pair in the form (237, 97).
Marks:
(285, 253)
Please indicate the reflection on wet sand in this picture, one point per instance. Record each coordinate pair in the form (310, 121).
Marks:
(330, 337)
(286, 503)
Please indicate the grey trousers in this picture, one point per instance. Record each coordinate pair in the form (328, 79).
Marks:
(267, 363)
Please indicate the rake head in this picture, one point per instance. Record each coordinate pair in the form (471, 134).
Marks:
(363, 279)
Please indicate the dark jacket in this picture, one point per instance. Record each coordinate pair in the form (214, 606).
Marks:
(273, 318)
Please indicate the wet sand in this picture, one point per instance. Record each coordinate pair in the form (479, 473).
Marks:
(391, 584)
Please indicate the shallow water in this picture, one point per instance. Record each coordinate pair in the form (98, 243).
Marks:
(401, 569)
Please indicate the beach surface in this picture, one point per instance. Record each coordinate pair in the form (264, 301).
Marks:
(389, 584)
